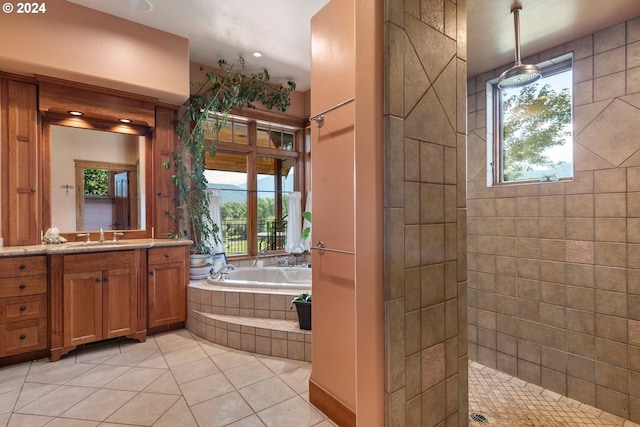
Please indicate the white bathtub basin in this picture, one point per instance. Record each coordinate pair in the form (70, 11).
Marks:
(298, 278)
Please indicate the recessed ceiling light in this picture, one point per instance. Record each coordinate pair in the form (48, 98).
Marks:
(139, 5)
(257, 54)
(75, 113)
(123, 120)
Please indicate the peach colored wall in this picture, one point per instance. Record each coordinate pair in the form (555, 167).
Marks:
(348, 349)
(79, 44)
(369, 168)
(332, 182)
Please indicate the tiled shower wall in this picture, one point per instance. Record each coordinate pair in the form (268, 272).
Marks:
(425, 213)
(554, 268)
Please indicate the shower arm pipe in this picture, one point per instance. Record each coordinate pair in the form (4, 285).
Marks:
(319, 118)
(516, 23)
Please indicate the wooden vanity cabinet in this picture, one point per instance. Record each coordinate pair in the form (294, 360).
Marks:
(167, 282)
(23, 305)
(95, 296)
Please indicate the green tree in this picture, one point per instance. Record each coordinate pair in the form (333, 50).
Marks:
(534, 119)
(266, 208)
(233, 210)
(96, 182)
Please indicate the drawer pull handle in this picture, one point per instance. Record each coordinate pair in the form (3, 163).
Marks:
(167, 255)
(151, 273)
(23, 336)
(22, 286)
(22, 267)
(23, 308)
(97, 280)
(106, 279)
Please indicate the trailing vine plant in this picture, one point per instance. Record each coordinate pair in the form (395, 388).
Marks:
(204, 114)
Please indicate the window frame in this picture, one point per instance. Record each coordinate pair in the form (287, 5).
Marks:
(253, 152)
(495, 170)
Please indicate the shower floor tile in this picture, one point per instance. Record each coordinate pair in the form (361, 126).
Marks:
(506, 401)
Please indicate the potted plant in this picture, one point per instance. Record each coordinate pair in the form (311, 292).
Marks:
(204, 114)
(302, 303)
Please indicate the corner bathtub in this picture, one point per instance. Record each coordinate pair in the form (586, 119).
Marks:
(294, 278)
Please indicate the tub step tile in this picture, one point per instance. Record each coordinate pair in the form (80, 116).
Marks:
(269, 336)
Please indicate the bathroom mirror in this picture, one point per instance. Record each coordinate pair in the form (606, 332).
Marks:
(97, 180)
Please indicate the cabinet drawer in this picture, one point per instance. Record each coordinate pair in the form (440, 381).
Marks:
(23, 266)
(23, 308)
(166, 254)
(80, 263)
(21, 337)
(18, 286)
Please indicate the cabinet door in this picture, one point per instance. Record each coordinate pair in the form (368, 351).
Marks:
(82, 302)
(20, 164)
(166, 294)
(119, 302)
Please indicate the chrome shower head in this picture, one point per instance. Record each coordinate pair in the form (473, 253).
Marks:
(520, 74)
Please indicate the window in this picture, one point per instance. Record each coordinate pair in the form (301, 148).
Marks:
(254, 168)
(532, 127)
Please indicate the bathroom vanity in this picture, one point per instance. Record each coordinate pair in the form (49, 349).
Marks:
(56, 297)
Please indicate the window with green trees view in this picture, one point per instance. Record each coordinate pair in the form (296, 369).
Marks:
(533, 138)
(254, 168)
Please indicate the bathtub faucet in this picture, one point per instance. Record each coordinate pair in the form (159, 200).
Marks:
(260, 254)
(219, 275)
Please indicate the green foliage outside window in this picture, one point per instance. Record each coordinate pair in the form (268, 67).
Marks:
(535, 118)
(96, 182)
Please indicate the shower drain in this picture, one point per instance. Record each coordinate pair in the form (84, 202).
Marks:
(479, 418)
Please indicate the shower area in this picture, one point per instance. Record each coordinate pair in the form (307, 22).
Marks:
(554, 266)
(520, 300)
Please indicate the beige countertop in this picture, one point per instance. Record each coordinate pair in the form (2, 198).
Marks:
(83, 247)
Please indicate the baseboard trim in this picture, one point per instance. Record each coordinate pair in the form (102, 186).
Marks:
(331, 406)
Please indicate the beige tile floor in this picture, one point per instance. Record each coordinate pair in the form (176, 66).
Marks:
(173, 379)
(177, 379)
(507, 401)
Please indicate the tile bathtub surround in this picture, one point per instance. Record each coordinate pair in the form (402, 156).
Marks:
(173, 379)
(258, 322)
(553, 269)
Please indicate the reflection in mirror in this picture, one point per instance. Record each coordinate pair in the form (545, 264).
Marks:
(97, 180)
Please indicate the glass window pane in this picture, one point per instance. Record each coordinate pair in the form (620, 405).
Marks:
(288, 142)
(275, 180)
(240, 133)
(226, 133)
(537, 136)
(276, 139)
(228, 173)
(263, 138)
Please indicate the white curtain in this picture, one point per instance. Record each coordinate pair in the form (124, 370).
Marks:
(306, 243)
(294, 223)
(215, 200)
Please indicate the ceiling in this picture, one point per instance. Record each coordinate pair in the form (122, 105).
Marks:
(280, 28)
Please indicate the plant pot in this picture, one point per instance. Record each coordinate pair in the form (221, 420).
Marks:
(304, 314)
(200, 266)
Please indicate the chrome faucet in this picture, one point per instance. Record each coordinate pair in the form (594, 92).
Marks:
(87, 235)
(219, 275)
(260, 254)
(116, 234)
(101, 238)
